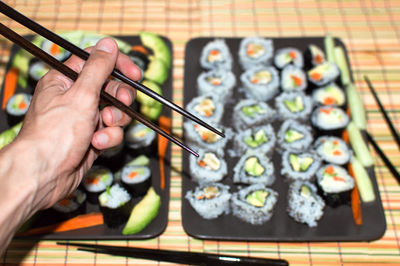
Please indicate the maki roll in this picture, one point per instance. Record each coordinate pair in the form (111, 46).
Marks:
(260, 139)
(136, 179)
(260, 82)
(335, 184)
(216, 55)
(254, 169)
(140, 56)
(304, 204)
(293, 105)
(300, 165)
(115, 205)
(250, 113)
(17, 106)
(210, 200)
(294, 136)
(208, 167)
(255, 51)
(330, 94)
(332, 150)
(37, 69)
(96, 180)
(72, 205)
(55, 50)
(315, 55)
(254, 204)
(293, 78)
(323, 74)
(139, 136)
(207, 108)
(206, 139)
(329, 119)
(219, 82)
(286, 56)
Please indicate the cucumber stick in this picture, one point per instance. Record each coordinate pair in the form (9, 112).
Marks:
(359, 146)
(341, 62)
(363, 181)
(329, 48)
(356, 106)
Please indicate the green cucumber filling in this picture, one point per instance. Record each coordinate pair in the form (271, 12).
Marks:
(293, 135)
(252, 110)
(300, 164)
(257, 198)
(253, 167)
(257, 139)
(295, 105)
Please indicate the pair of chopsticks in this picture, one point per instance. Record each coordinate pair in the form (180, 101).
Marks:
(395, 135)
(14, 37)
(182, 257)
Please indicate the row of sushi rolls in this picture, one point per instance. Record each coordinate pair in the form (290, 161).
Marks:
(116, 192)
(293, 109)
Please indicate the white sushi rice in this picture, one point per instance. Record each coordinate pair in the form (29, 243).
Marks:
(115, 197)
(262, 58)
(266, 178)
(226, 58)
(328, 71)
(261, 92)
(333, 91)
(222, 90)
(215, 105)
(325, 148)
(305, 209)
(283, 59)
(104, 175)
(136, 142)
(329, 118)
(297, 145)
(287, 82)
(128, 169)
(241, 121)
(207, 174)
(332, 185)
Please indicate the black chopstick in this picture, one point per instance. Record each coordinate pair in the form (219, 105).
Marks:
(385, 115)
(386, 160)
(14, 37)
(182, 257)
(34, 26)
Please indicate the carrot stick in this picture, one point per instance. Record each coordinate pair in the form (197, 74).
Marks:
(355, 200)
(345, 136)
(10, 84)
(77, 222)
(165, 123)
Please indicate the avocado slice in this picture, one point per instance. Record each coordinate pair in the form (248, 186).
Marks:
(143, 98)
(157, 45)
(257, 198)
(157, 71)
(295, 105)
(294, 162)
(259, 138)
(293, 135)
(151, 112)
(305, 163)
(253, 167)
(305, 191)
(143, 213)
(252, 110)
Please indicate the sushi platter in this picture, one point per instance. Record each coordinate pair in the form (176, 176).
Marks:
(282, 105)
(128, 175)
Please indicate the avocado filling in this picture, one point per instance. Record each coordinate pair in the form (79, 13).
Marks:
(253, 167)
(206, 107)
(252, 110)
(257, 198)
(261, 77)
(295, 105)
(257, 139)
(293, 135)
(300, 164)
(305, 191)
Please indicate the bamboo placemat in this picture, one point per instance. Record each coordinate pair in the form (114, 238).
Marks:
(369, 28)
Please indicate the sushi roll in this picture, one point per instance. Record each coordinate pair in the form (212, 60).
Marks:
(115, 205)
(208, 167)
(300, 165)
(96, 180)
(37, 69)
(139, 136)
(293, 78)
(332, 150)
(216, 55)
(140, 56)
(260, 139)
(329, 120)
(203, 138)
(323, 74)
(136, 179)
(286, 56)
(254, 169)
(260, 82)
(72, 205)
(304, 203)
(112, 157)
(219, 82)
(293, 135)
(254, 204)
(335, 184)
(255, 51)
(330, 94)
(314, 55)
(55, 50)
(206, 107)
(250, 113)
(293, 105)
(210, 200)
(16, 107)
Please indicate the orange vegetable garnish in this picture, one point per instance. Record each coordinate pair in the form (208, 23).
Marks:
(337, 152)
(254, 80)
(329, 100)
(204, 137)
(355, 200)
(10, 84)
(297, 80)
(338, 178)
(345, 136)
(93, 180)
(201, 163)
(330, 170)
(207, 114)
(140, 48)
(22, 105)
(215, 82)
(292, 54)
(55, 49)
(64, 202)
(165, 123)
(316, 76)
(132, 175)
(326, 110)
(214, 52)
(318, 59)
(335, 142)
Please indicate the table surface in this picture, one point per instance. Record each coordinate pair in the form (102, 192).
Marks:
(370, 30)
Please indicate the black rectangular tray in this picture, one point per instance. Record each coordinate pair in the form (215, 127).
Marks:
(335, 225)
(158, 225)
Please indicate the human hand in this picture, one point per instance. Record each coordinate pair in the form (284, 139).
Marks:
(64, 127)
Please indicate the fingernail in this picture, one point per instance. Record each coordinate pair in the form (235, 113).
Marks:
(102, 139)
(106, 45)
(116, 114)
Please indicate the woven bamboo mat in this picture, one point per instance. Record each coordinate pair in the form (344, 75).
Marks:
(369, 28)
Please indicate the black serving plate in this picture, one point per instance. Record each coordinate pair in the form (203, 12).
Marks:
(335, 225)
(158, 225)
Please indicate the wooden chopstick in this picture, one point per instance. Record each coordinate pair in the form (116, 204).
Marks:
(14, 37)
(182, 257)
(385, 115)
(34, 26)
